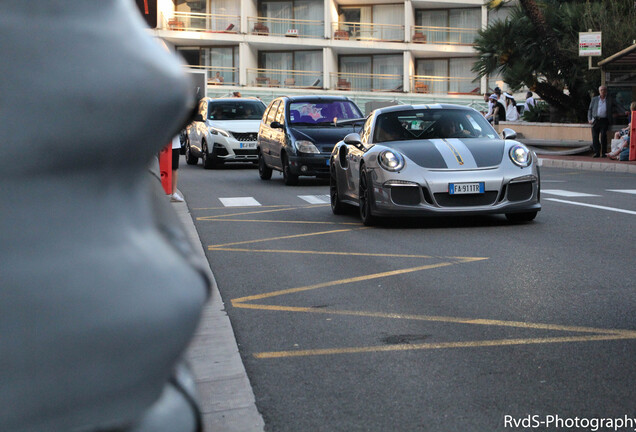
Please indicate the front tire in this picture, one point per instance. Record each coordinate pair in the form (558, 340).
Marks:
(337, 206)
(364, 199)
(289, 178)
(264, 171)
(210, 161)
(189, 157)
(521, 217)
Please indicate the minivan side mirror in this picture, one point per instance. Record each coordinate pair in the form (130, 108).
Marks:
(198, 117)
(276, 125)
(353, 139)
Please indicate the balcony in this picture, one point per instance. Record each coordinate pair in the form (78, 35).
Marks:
(311, 80)
(200, 22)
(444, 85)
(366, 82)
(219, 75)
(368, 31)
(264, 26)
(443, 35)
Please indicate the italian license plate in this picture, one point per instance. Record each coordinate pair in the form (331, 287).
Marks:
(327, 161)
(248, 145)
(466, 188)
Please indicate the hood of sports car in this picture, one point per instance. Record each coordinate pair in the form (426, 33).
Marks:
(452, 153)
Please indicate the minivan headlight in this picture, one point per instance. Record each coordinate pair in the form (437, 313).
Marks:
(391, 160)
(520, 156)
(306, 147)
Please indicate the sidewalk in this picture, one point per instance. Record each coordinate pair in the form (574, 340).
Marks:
(587, 163)
(226, 396)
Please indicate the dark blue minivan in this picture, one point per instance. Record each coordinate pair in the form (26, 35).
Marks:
(297, 134)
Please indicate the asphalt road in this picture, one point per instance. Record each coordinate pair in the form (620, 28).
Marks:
(463, 324)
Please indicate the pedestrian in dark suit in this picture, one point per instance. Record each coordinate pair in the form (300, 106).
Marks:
(600, 115)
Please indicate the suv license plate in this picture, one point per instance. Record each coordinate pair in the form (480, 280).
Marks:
(465, 188)
(248, 145)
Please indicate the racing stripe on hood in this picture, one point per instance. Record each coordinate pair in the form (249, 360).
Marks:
(455, 153)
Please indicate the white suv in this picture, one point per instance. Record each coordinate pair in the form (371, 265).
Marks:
(224, 130)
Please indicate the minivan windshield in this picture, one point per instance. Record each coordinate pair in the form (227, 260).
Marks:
(235, 110)
(322, 112)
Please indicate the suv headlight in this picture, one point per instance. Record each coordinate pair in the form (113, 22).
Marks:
(306, 147)
(391, 160)
(520, 155)
(216, 131)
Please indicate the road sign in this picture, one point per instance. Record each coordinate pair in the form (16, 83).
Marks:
(589, 44)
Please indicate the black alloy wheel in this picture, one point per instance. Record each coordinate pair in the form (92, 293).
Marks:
(364, 199)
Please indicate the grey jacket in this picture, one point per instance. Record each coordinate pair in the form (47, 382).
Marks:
(612, 109)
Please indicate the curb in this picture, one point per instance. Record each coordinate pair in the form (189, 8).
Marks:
(588, 165)
(225, 394)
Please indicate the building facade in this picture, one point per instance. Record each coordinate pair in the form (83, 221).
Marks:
(408, 50)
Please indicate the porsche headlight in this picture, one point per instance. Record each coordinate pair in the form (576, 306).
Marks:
(306, 147)
(391, 160)
(217, 131)
(520, 156)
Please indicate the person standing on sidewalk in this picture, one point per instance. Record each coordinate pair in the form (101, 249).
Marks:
(599, 115)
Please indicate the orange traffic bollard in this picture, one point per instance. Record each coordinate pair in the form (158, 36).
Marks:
(632, 138)
(165, 168)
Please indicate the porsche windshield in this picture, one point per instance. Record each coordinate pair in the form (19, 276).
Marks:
(236, 110)
(322, 112)
(431, 124)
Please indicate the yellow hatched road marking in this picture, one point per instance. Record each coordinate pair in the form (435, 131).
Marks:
(440, 345)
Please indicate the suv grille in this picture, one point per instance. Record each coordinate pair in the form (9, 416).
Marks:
(249, 136)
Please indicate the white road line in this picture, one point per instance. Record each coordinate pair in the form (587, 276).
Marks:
(592, 205)
(239, 202)
(315, 199)
(627, 191)
(564, 193)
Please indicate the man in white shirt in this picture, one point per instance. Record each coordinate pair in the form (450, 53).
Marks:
(599, 115)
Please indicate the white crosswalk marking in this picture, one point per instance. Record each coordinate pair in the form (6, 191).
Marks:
(627, 191)
(239, 202)
(564, 193)
(315, 199)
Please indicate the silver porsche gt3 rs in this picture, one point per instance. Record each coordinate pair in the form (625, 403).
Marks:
(431, 160)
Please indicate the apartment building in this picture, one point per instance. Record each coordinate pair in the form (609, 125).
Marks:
(409, 50)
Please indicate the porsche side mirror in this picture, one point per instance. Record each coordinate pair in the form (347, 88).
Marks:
(353, 139)
(508, 133)
(276, 125)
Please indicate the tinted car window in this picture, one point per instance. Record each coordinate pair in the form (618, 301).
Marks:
(239, 110)
(428, 124)
(310, 113)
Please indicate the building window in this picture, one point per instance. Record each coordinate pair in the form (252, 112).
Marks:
(373, 72)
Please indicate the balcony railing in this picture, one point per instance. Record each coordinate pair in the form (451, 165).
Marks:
(368, 31)
(444, 85)
(219, 75)
(266, 26)
(284, 78)
(366, 82)
(190, 21)
(443, 35)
